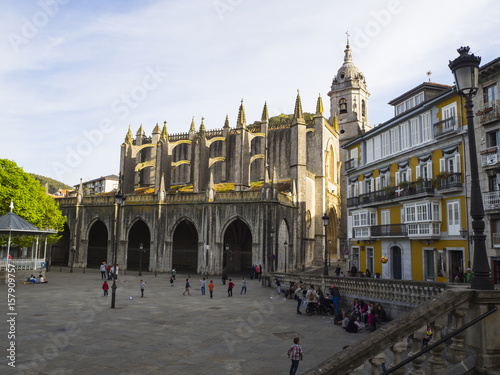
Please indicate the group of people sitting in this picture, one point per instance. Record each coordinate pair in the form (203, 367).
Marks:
(361, 315)
(32, 279)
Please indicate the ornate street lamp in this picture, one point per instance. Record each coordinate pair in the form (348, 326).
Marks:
(120, 202)
(271, 233)
(465, 68)
(141, 249)
(325, 219)
(286, 251)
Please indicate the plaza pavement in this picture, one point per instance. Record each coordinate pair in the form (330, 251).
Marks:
(67, 327)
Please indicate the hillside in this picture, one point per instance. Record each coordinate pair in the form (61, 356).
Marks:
(54, 185)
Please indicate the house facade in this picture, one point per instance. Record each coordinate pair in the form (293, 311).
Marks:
(406, 190)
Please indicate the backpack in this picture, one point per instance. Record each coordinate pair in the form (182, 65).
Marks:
(311, 296)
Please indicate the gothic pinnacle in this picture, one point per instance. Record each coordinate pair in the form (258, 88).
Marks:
(129, 139)
(298, 108)
(192, 129)
(319, 106)
(164, 134)
(242, 121)
(226, 123)
(265, 113)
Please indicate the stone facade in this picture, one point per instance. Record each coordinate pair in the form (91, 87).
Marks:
(206, 200)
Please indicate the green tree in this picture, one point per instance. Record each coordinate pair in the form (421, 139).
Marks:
(30, 201)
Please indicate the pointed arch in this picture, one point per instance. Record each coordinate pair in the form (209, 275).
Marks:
(184, 236)
(237, 246)
(98, 239)
(138, 234)
(283, 258)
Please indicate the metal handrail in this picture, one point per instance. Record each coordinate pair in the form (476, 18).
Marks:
(492, 309)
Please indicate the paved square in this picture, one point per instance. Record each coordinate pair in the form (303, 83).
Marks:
(67, 327)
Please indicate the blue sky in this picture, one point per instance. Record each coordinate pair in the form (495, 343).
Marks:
(75, 74)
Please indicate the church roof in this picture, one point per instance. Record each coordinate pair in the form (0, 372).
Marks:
(348, 70)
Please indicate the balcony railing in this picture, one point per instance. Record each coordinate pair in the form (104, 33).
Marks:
(489, 156)
(351, 163)
(491, 200)
(388, 193)
(489, 112)
(452, 180)
(446, 126)
(389, 230)
(352, 202)
(425, 229)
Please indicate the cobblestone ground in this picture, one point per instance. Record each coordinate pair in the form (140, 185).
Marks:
(67, 327)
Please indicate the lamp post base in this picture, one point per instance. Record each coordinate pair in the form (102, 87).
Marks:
(113, 294)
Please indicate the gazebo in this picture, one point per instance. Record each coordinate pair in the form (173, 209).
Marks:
(12, 224)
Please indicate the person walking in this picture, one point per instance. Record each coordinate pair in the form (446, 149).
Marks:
(299, 294)
(171, 281)
(257, 271)
(103, 270)
(211, 288)
(230, 287)
(47, 264)
(244, 286)
(260, 272)
(203, 285)
(105, 288)
(335, 293)
(143, 286)
(187, 288)
(108, 271)
(173, 273)
(296, 354)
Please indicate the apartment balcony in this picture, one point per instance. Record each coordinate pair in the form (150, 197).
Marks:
(389, 230)
(491, 200)
(451, 182)
(447, 126)
(351, 164)
(489, 112)
(424, 230)
(490, 156)
(352, 202)
(405, 191)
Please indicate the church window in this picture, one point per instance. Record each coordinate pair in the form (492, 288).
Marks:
(342, 106)
(363, 108)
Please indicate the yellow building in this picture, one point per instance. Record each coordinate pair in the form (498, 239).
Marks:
(406, 192)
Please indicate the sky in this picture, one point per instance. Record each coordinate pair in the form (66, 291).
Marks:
(75, 74)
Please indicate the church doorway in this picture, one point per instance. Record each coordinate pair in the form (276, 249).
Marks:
(283, 258)
(138, 258)
(185, 248)
(237, 256)
(98, 245)
(59, 254)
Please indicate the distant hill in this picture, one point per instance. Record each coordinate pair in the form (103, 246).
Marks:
(54, 185)
(287, 119)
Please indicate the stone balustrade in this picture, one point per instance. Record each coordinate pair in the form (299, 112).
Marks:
(99, 200)
(68, 201)
(396, 336)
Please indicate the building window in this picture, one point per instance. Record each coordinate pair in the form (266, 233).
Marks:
(342, 106)
(405, 136)
(430, 265)
(495, 230)
(492, 138)
(426, 127)
(395, 139)
(363, 108)
(493, 183)
(415, 131)
(490, 94)
(369, 259)
(369, 150)
(385, 217)
(453, 209)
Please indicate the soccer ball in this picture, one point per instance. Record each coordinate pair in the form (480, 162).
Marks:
(384, 260)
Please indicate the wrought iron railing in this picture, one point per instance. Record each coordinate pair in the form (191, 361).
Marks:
(451, 180)
(351, 163)
(446, 126)
(389, 230)
(491, 200)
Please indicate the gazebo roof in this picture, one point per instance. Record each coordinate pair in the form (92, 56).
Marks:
(12, 223)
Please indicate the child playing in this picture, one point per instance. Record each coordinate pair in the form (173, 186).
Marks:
(203, 285)
(187, 288)
(105, 288)
(244, 286)
(230, 288)
(143, 286)
(296, 355)
(171, 281)
(211, 288)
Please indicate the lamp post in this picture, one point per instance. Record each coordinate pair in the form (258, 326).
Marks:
(73, 253)
(465, 68)
(141, 249)
(325, 219)
(286, 251)
(120, 202)
(271, 233)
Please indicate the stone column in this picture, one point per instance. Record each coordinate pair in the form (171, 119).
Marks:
(436, 364)
(397, 350)
(457, 352)
(416, 347)
(375, 363)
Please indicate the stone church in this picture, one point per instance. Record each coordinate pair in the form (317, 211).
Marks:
(227, 198)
